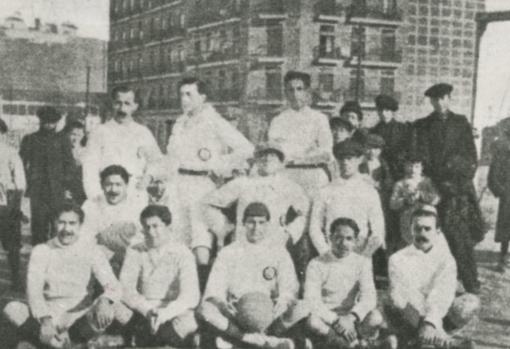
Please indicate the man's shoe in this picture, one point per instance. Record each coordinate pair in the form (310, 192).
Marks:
(278, 343)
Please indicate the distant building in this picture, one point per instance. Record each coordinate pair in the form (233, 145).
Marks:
(47, 64)
(354, 49)
(439, 46)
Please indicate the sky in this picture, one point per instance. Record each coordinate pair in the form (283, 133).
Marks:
(91, 16)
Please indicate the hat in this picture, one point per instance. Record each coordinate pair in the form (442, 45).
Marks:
(48, 114)
(297, 75)
(256, 209)
(347, 148)
(439, 90)
(270, 147)
(336, 122)
(254, 312)
(352, 106)
(374, 141)
(385, 102)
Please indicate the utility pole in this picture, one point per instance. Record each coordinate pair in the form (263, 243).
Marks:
(87, 91)
(361, 46)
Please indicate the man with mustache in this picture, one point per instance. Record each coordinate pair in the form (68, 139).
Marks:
(48, 163)
(61, 307)
(111, 218)
(123, 141)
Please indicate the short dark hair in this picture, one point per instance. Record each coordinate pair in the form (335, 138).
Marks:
(343, 221)
(297, 75)
(340, 123)
(69, 206)
(256, 209)
(420, 212)
(114, 170)
(352, 106)
(156, 211)
(201, 85)
(123, 89)
(3, 127)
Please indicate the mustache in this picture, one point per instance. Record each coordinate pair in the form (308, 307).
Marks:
(121, 113)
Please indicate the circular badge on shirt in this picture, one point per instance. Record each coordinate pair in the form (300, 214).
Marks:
(269, 273)
(204, 154)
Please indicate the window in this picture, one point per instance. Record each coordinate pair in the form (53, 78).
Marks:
(327, 41)
(387, 82)
(326, 82)
(274, 40)
(273, 85)
(358, 41)
(388, 44)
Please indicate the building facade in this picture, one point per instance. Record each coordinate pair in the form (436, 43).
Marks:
(47, 64)
(354, 49)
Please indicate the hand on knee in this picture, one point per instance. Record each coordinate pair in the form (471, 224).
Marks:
(103, 314)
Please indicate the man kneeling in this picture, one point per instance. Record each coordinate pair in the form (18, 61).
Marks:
(160, 285)
(423, 283)
(60, 308)
(250, 297)
(340, 289)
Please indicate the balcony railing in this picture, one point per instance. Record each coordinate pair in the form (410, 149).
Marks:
(270, 9)
(208, 15)
(329, 10)
(321, 56)
(266, 96)
(226, 95)
(212, 57)
(359, 9)
(379, 57)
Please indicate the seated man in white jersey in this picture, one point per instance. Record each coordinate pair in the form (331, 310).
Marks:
(111, 218)
(423, 284)
(61, 308)
(350, 196)
(160, 283)
(303, 134)
(340, 291)
(286, 200)
(122, 141)
(250, 298)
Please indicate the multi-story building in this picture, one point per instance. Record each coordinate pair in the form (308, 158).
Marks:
(47, 64)
(354, 49)
(439, 46)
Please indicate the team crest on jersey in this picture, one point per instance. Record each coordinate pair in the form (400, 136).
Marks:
(269, 273)
(204, 154)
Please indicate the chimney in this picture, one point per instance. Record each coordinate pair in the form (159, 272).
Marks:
(37, 24)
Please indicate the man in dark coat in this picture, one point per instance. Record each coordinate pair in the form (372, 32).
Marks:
(48, 163)
(396, 134)
(498, 182)
(445, 141)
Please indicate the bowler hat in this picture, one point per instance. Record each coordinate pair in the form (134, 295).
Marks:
(439, 90)
(385, 102)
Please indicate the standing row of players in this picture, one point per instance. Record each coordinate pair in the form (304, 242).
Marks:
(289, 172)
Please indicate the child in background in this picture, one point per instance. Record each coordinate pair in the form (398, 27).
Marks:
(342, 130)
(414, 190)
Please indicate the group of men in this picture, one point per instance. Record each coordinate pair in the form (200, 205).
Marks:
(279, 238)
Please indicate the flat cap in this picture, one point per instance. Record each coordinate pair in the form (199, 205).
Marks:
(439, 90)
(337, 122)
(385, 102)
(270, 147)
(352, 106)
(374, 141)
(348, 148)
(48, 114)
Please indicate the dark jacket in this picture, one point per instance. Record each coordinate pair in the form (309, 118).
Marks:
(450, 160)
(49, 164)
(397, 138)
(499, 183)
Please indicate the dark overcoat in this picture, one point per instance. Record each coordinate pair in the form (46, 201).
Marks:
(397, 138)
(499, 183)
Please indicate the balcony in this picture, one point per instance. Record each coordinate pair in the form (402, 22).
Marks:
(211, 16)
(329, 11)
(367, 97)
(226, 95)
(263, 96)
(270, 10)
(379, 59)
(361, 13)
(321, 57)
(213, 58)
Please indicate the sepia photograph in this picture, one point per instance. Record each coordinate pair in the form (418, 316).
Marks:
(255, 174)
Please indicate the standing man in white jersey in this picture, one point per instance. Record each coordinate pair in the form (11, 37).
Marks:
(303, 134)
(202, 144)
(120, 141)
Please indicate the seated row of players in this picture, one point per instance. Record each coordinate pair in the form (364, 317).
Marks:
(252, 294)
